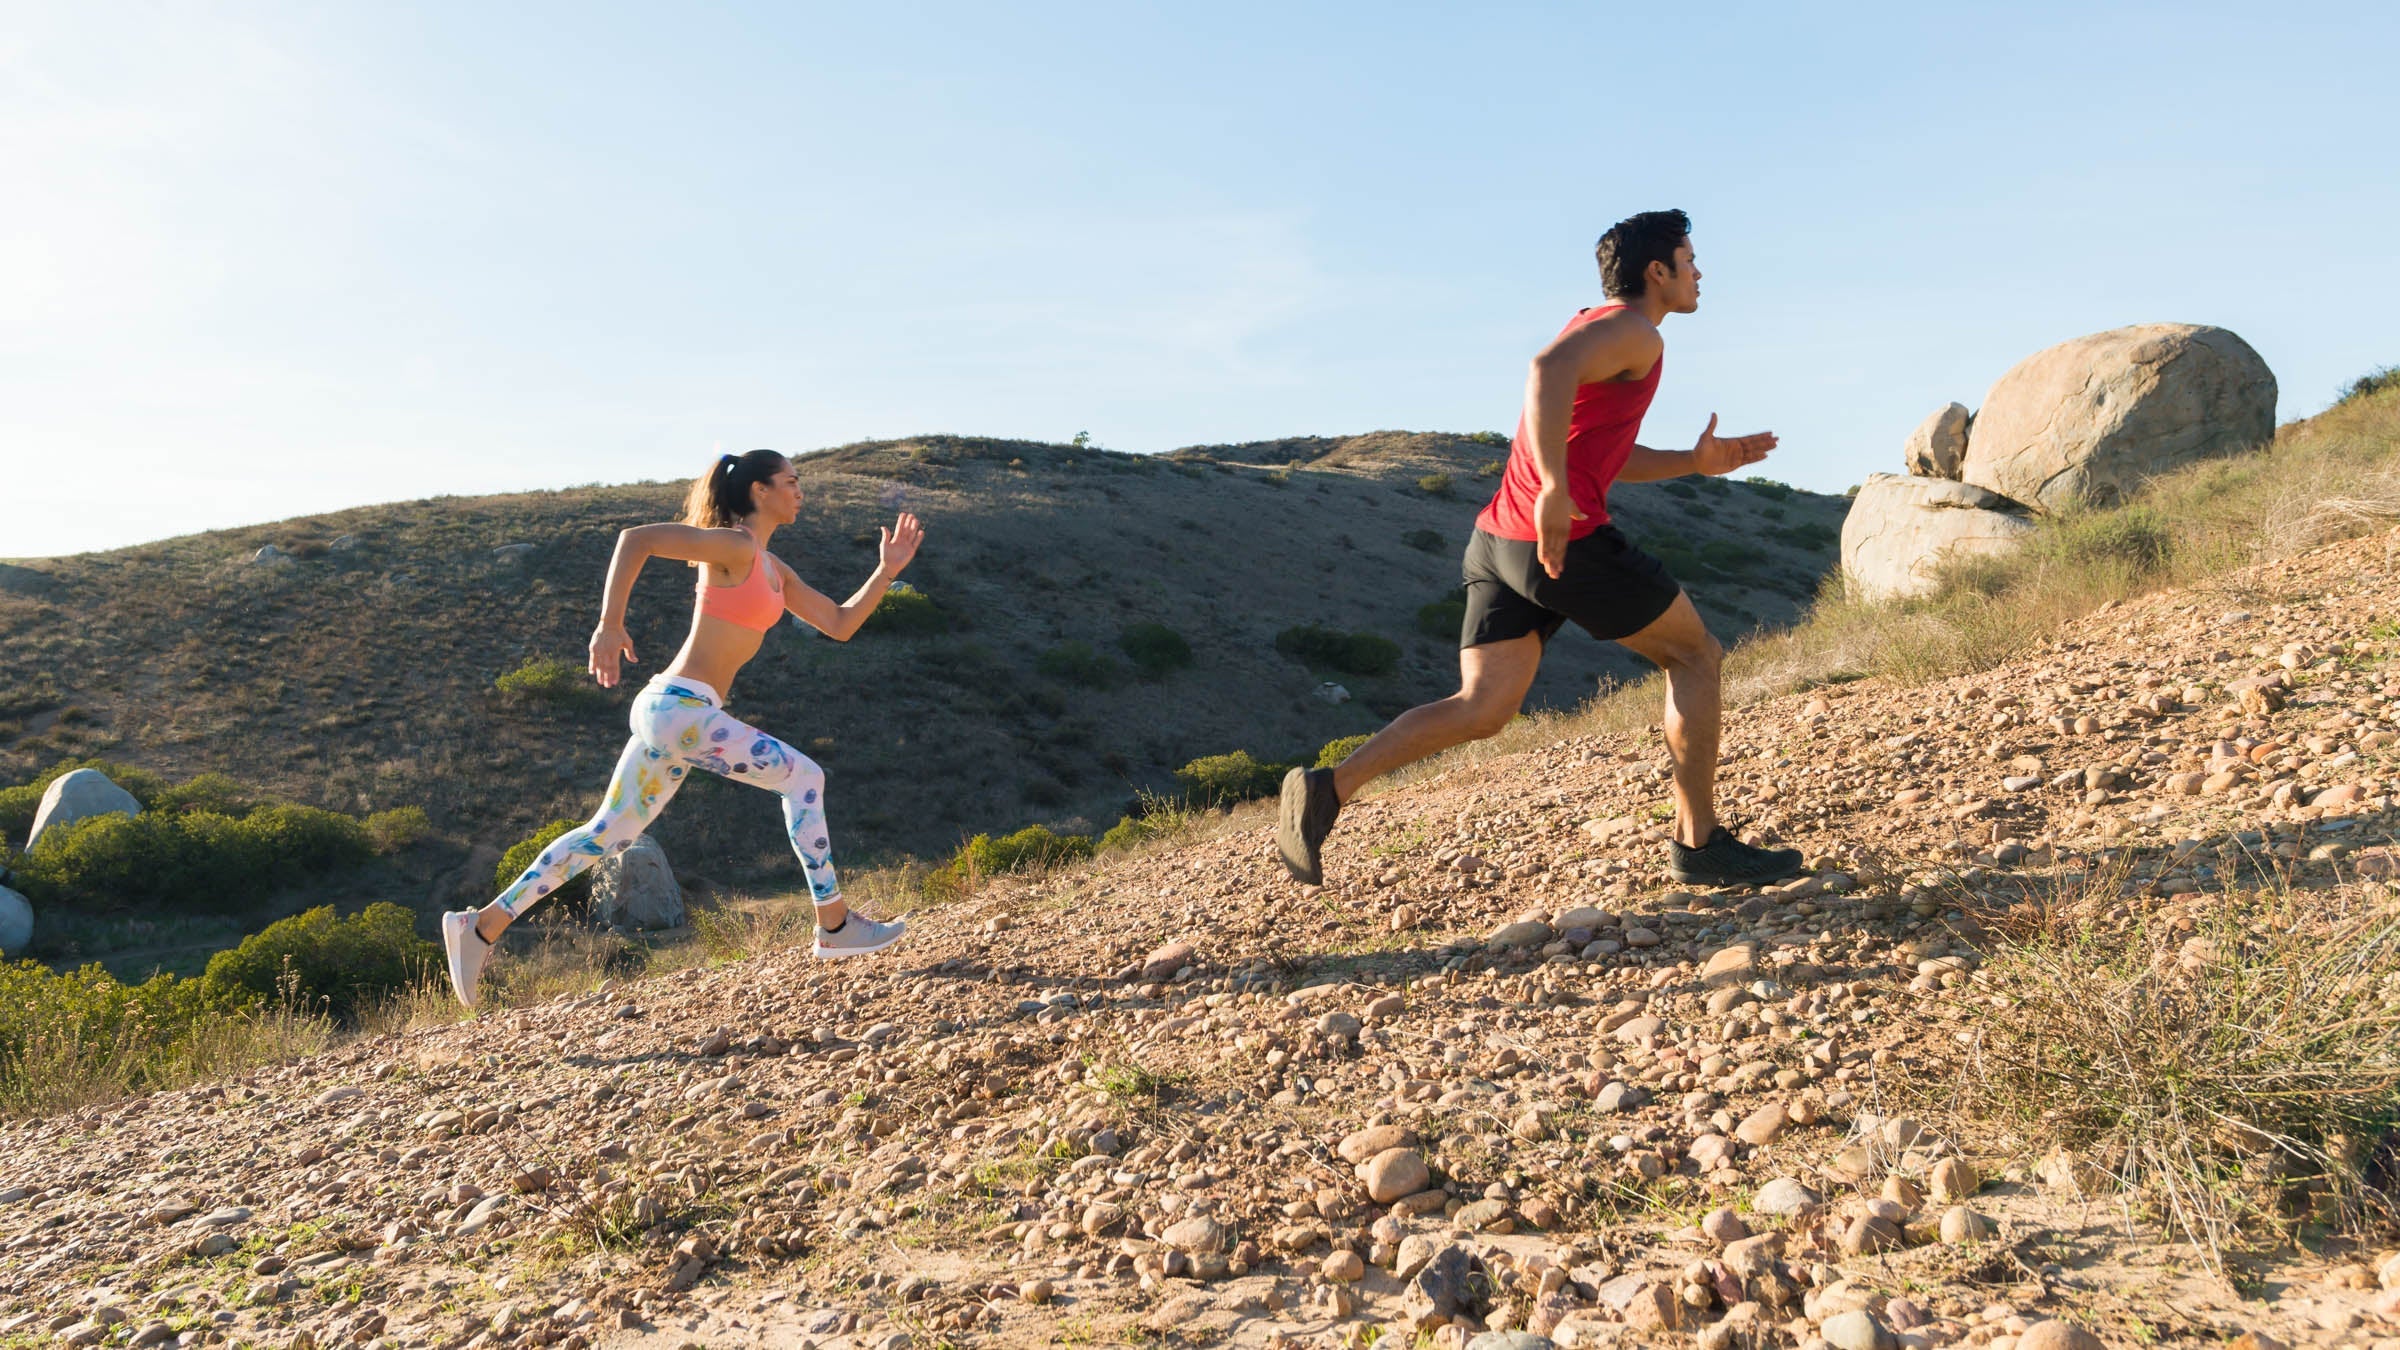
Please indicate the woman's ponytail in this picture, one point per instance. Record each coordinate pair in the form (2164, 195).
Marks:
(721, 497)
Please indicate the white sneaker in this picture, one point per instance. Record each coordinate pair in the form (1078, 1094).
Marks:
(468, 951)
(858, 936)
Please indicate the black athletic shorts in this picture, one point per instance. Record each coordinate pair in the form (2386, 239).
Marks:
(1608, 587)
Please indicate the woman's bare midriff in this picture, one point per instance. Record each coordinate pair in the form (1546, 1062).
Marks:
(714, 652)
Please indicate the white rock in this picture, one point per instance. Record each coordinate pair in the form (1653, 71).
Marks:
(80, 795)
(637, 889)
(16, 923)
(1935, 448)
(1900, 528)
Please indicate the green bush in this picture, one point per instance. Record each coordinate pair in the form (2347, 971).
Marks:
(513, 864)
(1219, 780)
(396, 829)
(1349, 653)
(2137, 539)
(552, 682)
(208, 792)
(1676, 487)
(1490, 468)
(1810, 535)
(1155, 648)
(2370, 384)
(1488, 437)
(1078, 663)
(198, 860)
(63, 1033)
(1435, 485)
(905, 611)
(1768, 488)
(1335, 751)
(984, 856)
(1730, 555)
(1426, 541)
(1444, 617)
(319, 961)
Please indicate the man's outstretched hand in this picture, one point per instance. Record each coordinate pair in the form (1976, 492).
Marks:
(1716, 455)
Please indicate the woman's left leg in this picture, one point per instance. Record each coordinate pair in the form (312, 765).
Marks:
(745, 754)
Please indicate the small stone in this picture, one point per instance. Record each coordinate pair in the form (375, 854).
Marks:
(1784, 1197)
(1198, 1235)
(1857, 1329)
(1734, 965)
(1344, 1267)
(1394, 1173)
(1163, 963)
(2054, 1334)
(1761, 1126)
(1521, 933)
(1361, 1145)
(1723, 1227)
(1953, 1180)
(1870, 1233)
(1038, 1292)
(1961, 1225)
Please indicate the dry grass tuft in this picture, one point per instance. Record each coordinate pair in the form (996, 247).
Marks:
(2236, 1064)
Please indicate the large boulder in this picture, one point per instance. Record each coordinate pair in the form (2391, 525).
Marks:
(1939, 444)
(80, 795)
(636, 889)
(16, 924)
(1899, 527)
(2085, 422)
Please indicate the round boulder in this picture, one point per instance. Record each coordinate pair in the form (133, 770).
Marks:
(2085, 422)
(76, 796)
(1900, 529)
(16, 924)
(636, 889)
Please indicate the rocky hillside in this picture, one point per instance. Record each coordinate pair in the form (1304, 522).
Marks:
(1496, 1076)
(357, 669)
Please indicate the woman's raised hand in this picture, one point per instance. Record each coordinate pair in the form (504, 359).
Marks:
(609, 642)
(900, 543)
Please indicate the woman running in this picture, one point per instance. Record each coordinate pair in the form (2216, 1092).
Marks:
(679, 718)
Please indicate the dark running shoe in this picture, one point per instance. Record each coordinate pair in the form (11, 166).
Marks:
(1306, 817)
(1727, 861)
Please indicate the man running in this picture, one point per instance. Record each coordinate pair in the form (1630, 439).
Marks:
(1543, 552)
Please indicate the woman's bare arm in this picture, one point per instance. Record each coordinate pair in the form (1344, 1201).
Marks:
(638, 545)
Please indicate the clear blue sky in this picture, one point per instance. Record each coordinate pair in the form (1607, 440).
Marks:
(257, 260)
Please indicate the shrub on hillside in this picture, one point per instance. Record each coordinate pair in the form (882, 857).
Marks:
(396, 829)
(985, 856)
(1444, 617)
(66, 1036)
(576, 894)
(1488, 437)
(1349, 653)
(551, 682)
(1425, 541)
(1155, 648)
(1335, 751)
(2136, 538)
(1676, 487)
(202, 860)
(2370, 384)
(1810, 535)
(1078, 663)
(905, 611)
(1768, 488)
(1220, 780)
(1435, 485)
(322, 962)
(1730, 555)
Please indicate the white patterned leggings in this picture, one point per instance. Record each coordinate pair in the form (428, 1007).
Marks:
(679, 725)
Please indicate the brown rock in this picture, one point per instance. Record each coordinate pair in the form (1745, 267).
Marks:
(2054, 1334)
(1393, 1173)
(1761, 1126)
(1361, 1145)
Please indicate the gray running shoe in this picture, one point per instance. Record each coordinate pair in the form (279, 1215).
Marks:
(1303, 820)
(468, 951)
(1727, 861)
(858, 936)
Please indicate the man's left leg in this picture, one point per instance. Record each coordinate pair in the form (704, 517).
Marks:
(1702, 851)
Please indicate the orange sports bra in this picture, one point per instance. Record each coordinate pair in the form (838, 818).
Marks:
(755, 602)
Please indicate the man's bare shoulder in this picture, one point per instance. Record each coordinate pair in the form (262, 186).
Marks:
(1621, 344)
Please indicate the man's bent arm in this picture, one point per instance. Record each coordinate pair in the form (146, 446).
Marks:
(1645, 465)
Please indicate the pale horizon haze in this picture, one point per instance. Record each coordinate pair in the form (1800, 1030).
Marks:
(265, 259)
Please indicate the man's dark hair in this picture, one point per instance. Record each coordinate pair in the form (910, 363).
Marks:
(1635, 242)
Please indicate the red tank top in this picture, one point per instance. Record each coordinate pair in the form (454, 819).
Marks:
(1599, 438)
